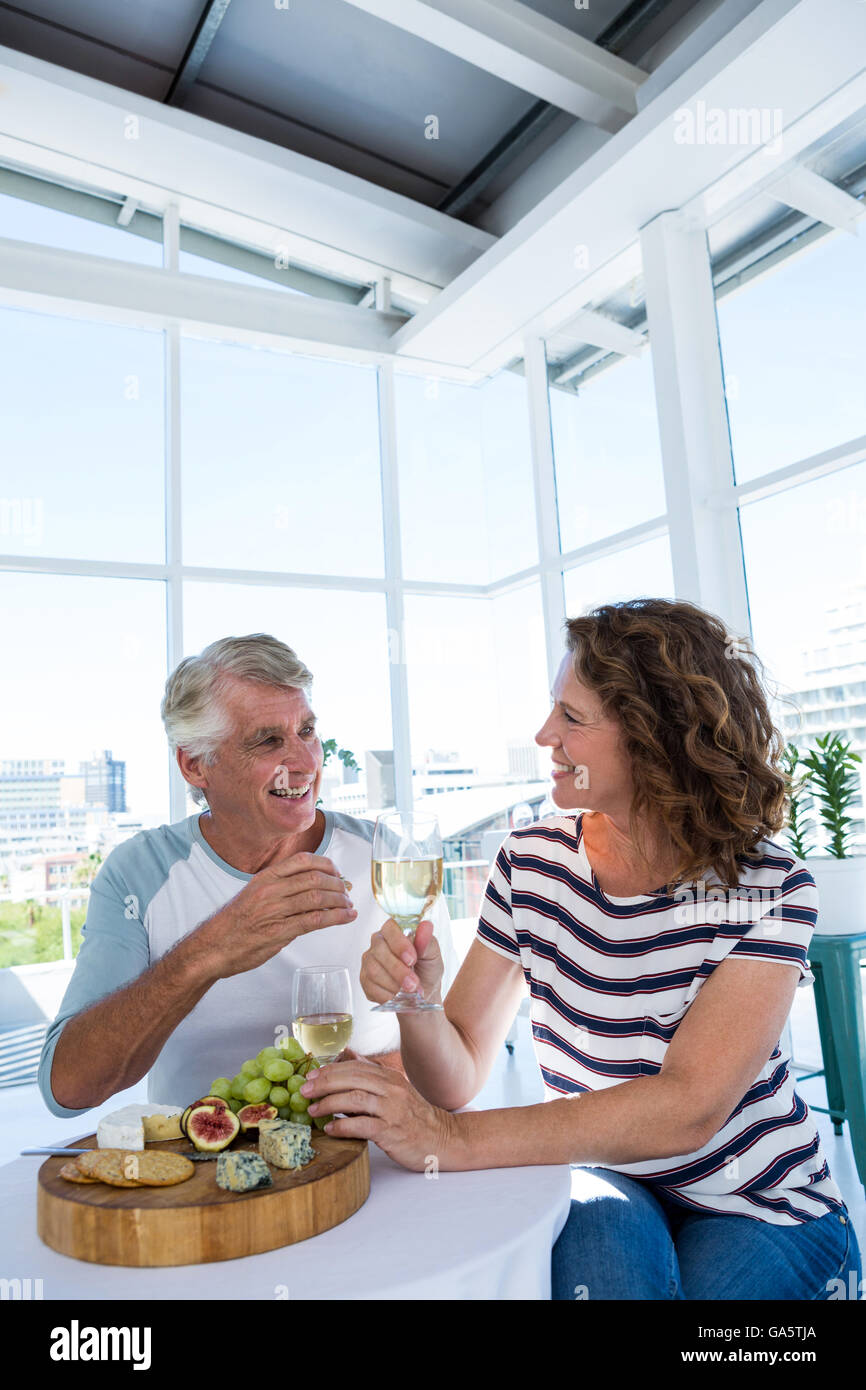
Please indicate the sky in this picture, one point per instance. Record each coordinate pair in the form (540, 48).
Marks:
(280, 471)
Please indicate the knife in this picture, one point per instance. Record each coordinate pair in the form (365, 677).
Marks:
(55, 1151)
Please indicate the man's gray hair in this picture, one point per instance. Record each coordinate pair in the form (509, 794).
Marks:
(192, 710)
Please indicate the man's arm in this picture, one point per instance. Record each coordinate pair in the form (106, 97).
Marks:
(110, 1039)
(112, 1044)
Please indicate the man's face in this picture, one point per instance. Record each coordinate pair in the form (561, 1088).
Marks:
(271, 754)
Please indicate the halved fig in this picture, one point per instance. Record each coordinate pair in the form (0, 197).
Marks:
(205, 1100)
(210, 1128)
(251, 1116)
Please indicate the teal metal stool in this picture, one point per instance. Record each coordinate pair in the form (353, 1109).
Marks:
(836, 962)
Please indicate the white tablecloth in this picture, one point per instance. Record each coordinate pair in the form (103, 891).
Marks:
(479, 1235)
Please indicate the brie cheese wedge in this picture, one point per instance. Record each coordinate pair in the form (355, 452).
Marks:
(134, 1125)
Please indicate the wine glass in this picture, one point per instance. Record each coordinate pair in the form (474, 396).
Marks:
(322, 1010)
(407, 880)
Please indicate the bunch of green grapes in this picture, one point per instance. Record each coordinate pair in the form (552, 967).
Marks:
(274, 1077)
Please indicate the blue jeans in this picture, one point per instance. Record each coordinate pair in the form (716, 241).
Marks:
(623, 1239)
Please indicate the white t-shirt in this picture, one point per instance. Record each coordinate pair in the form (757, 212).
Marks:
(159, 886)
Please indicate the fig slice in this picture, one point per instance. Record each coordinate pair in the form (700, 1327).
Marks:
(210, 1128)
(252, 1115)
(204, 1100)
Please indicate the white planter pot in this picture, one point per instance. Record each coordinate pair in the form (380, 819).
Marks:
(841, 885)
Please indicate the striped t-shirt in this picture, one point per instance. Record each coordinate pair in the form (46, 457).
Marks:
(611, 978)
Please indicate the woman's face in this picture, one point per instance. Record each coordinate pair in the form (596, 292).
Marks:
(591, 770)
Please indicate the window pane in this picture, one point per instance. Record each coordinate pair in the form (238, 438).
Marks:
(642, 571)
(792, 348)
(805, 553)
(467, 503)
(81, 468)
(45, 226)
(280, 462)
(478, 693)
(83, 674)
(216, 270)
(608, 459)
(342, 638)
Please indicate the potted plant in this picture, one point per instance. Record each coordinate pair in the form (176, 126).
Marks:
(829, 772)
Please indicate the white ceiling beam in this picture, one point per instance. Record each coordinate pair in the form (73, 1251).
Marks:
(74, 284)
(127, 212)
(599, 331)
(817, 197)
(524, 48)
(39, 275)
(64, 126)
(801, 60)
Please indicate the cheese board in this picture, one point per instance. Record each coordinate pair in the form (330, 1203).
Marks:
(195, 1221)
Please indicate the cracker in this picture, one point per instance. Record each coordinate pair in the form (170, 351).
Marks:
(135, 1168)
(162, 1169)
(86, 1162)
(117, 1167)
(72, 1173)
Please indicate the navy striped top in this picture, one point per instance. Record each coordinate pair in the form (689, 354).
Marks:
(611, 978)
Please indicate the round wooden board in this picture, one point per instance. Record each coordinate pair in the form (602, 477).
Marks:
(196, 1222)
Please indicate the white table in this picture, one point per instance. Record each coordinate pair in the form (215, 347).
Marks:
(479, 1235)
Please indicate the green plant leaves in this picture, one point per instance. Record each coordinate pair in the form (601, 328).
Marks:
(832, 778)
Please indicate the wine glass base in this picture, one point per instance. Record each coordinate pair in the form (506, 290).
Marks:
(403, 1003)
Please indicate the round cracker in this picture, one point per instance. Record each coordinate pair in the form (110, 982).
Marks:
(162, 1169)
(72, 1173)
(87, 1162)
(114, 1166)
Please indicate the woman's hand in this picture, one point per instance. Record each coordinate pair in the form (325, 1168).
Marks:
(378, 1103)
(394, 962)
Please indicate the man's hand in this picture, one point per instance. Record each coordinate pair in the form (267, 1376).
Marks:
(393, 962)
(296, 895)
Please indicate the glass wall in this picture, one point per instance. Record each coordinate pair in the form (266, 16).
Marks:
(791, 346)
(83, 433)
(25, 220)
(805, 555)
(467, 503)
(82, 761)
(792, 350)
(478, 693)
(607, 454)
(641, 571)
(280, 462)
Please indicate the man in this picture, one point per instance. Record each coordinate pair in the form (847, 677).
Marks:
(194, 930)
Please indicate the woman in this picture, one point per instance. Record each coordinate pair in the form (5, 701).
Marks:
(662, 934)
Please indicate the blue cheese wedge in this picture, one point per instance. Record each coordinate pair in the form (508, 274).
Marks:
(135, 1125)
(286, 1145)
(242, 1172)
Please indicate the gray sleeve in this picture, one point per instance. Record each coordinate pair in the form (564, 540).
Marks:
(114, 951)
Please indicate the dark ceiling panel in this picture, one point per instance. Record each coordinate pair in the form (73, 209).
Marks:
(158, 30)
(343, 72)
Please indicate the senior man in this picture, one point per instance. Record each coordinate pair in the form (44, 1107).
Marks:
(194, 930)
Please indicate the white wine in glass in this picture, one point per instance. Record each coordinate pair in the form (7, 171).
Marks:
(322, 1010)
(407, 880)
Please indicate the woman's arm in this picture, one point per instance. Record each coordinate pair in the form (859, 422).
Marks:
(448, 1056)
(721, 1045)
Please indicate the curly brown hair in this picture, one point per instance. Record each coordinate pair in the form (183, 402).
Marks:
(696, 725)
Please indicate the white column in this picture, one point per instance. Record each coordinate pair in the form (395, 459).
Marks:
(706, 549)
(546, 515)
(173, 530)
(398, 672)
